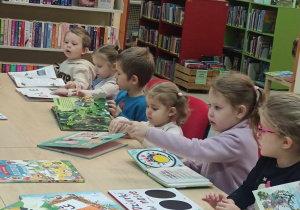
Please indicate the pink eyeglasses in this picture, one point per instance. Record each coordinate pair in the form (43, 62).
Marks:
(261, 130)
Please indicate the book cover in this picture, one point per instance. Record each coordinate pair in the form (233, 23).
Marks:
(153, 199)
(2, 117)
(285, 196)
(38, 171)
(82, 114)
(90, 200)
(30, 203)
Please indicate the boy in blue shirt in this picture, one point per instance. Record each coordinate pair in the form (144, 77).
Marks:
(135, 67)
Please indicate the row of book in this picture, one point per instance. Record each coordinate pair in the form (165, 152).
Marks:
(148, 35)
(50, 2)
(282, 3)
(169, 43)
(165, 67)
(150, 9)
(237, 16)
(205, 63)
(173, 13)
(259, 46)
(6, 67)
(262, 20)
(38, 34)
(254, 69)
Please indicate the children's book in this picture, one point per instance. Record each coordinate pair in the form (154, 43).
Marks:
(43, 77)
(91, 200)
(30, 204)
(84, 144)
(167, 169)
(38, 171)
(2, 117)
(153, 199)
(81, 114)
(285, 196)
(37, 94)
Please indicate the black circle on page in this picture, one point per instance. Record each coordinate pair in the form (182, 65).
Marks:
(175, 205)
(160, 194)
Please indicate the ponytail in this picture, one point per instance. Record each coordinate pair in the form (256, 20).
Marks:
(258, 103)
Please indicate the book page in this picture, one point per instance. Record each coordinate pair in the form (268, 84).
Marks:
(38, 82)
(46, 72)
(38, 92)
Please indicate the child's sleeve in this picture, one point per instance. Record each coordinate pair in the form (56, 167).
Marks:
(110, 89)
(82, 78)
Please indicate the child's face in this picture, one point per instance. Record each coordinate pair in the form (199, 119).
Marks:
(222, 116)
(73, 46)
(103, 69)
(157, 114)
(122, 79)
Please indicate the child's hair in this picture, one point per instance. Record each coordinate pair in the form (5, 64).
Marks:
(81, 32)
(137, 61)
(294, 49)
(108, 52)
(170, 96)
(282, 112)
(240, 90)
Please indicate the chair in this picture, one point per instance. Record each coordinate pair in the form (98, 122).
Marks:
(154, 81)
(197, 125)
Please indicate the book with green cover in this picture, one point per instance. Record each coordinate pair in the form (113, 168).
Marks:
(49, 171)
(81, 114)
(30, 204)
(85, 144)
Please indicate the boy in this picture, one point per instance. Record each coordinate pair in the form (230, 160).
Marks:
(135, 67)
(76, 72)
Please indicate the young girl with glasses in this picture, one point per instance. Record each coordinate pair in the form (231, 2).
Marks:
(279, 141)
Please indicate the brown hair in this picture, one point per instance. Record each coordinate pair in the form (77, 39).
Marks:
(170, 96)
(85, 37)
(108, 52)
(137, 61)
(240, 90)
(282, 113)
(294, 49)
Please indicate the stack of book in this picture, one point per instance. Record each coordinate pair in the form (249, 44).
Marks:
(6, 67)
(165, 67)
(237, 16)
(148, 35)
(169, 43)
(150, 9)
(262, 20)
(173, 13)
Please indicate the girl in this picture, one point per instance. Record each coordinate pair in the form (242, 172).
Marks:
(279, 141)
(228, 157)
(167, 109)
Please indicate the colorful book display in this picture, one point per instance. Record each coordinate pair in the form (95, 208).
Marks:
(37, 94)
(6, 67)
(81, 114)
(285, 196)
(2, 117)
(84, 144)
(38, 171)
(167, 169)
(153, 199)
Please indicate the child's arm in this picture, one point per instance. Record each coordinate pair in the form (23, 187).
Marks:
(109, 89)
(113, 109)
(60, 91)
(81, 78)
(70, 85)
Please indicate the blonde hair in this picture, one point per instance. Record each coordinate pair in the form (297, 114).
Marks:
(137, 61)
(170, 96)
(282, 112)
(240, 90)
(83, 34)
(108, 52)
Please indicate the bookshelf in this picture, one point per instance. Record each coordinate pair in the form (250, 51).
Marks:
(201, 33)
(280, 38)
(21, 11)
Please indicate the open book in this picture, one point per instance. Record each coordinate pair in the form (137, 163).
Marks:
(153, 199)
(37, 94)
(81, 114)
(2, 117)
(50, 171)
(84, 144)
(167, 169)
(44, 77)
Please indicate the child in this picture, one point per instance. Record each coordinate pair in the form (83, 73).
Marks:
(227, 158)
(104, 59)
(294, 49)
(76, 72)
(279, 141)
(135, 66)
(167, 109)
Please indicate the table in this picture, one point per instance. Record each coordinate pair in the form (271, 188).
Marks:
(270, 79)
(30, 123)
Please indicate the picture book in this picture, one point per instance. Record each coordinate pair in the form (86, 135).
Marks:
(2, 117)
(38, 171)
(285, 196)
(42, 77)
(167, 169)
(81, 114)
(37, 94)
(153, 199)
(30, 204)
(91, 200)
(84, 144)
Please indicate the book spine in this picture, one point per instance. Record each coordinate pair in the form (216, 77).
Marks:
(13, 68)
(33, 34)
(56, 36)
(7, 68)
(53, 36)
(42, 34)
(102, 31)
(36, 34)
(2, 31)
(45, 35)
(59, 36)
(49, 35)
(22, 33)
(39, 41)
(16, 33)
(97, 37)
(115, 36)
(4, 68)
(19, 32)
(5, 41)
(9, 33)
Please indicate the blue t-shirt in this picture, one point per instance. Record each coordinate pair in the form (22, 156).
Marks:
(133, 108)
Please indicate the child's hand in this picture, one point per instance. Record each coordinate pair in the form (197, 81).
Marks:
(136, 130)
(227, 204)
(60, 91)
(70, 85)
(213, 199)
(113, 109)
(82, 94)
(117, 126)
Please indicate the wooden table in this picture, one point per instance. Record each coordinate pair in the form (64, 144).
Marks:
(270, 79)
(30, 123)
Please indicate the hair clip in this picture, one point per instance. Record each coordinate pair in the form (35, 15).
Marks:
(179, 94)
(256, 87)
